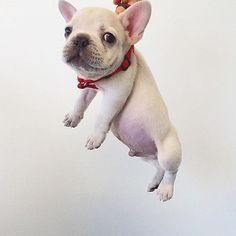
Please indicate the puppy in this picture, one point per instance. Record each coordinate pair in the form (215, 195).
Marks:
(99, 47)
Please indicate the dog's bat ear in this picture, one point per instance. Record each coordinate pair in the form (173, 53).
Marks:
(135, 19)
(66, 9)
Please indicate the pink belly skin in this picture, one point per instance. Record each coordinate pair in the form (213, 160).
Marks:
(132, 132)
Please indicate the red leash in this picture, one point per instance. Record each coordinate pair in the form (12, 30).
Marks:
(86, 83)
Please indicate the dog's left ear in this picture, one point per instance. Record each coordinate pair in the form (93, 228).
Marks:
(135, 19)
(66, 9)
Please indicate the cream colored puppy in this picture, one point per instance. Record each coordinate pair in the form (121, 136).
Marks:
(99, 48)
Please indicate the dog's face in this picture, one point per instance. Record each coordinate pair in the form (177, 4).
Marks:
(97, 39)
(95, 42)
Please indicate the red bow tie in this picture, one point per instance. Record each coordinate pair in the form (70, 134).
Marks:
(86, 83)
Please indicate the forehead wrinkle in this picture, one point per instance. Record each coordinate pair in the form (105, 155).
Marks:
(102, 28)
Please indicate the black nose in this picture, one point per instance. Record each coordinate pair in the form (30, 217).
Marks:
(81, 42)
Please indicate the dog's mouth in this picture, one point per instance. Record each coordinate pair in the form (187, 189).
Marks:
(69, 56)
(85, 63)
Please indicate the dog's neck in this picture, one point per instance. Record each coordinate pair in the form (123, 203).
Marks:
(87, 83)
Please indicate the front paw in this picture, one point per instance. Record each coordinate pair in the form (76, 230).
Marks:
(72, 120)
(95, 141)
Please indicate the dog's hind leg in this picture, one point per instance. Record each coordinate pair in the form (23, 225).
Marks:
(159, 173)
(169, 158)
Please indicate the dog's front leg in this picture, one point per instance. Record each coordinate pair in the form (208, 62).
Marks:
(114, 99)
(73, 118)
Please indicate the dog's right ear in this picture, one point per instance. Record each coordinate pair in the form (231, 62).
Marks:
(66, 9)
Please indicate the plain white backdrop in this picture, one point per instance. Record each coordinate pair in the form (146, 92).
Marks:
(50, 185)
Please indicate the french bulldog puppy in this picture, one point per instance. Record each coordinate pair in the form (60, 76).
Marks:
(98, 44)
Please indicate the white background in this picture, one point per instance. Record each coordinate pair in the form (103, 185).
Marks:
(50, 185)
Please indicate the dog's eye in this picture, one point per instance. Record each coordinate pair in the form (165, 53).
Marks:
(109, 38)
(68, 31)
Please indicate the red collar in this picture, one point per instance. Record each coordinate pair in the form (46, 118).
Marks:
(86, 83)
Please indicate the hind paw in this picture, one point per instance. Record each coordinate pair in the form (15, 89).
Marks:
(165, 192)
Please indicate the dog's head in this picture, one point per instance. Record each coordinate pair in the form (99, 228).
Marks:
(98, 39)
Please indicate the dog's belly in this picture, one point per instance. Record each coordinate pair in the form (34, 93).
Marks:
(143, 116)
(131, 131)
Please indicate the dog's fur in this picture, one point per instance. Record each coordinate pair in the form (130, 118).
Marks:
(132, 105)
